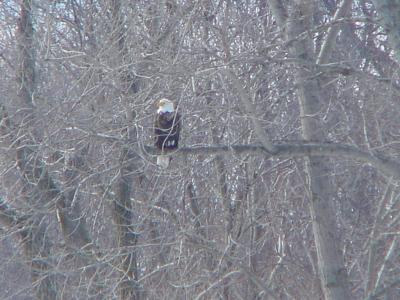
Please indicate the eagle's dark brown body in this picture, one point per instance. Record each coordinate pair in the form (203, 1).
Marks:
(166, 130)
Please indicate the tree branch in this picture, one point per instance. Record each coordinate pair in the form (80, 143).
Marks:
(330, 39)
(386, 165)
(8, 215)
(389, 11)
(279, 12)
(251, 112)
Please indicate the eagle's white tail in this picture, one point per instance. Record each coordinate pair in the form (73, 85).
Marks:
(163, 161)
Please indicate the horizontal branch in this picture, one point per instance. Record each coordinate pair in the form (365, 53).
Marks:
(385, 164)
(8, 215)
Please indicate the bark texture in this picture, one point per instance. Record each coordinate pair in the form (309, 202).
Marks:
(36, 243)
(332, 272)
(123, 210)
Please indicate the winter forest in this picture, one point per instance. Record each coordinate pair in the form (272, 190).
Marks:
(286, 181)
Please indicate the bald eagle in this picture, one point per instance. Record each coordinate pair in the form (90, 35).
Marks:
(166, 130)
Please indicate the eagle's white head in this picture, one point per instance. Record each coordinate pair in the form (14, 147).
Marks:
(164, 106)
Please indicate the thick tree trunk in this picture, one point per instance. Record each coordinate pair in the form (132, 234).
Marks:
(331, 267)
(41, 189)
(126, 236)
(123, 210)
(36, 243)
(37, 247)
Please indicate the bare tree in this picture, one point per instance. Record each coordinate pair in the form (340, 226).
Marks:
(330, 259)
(285, 185)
